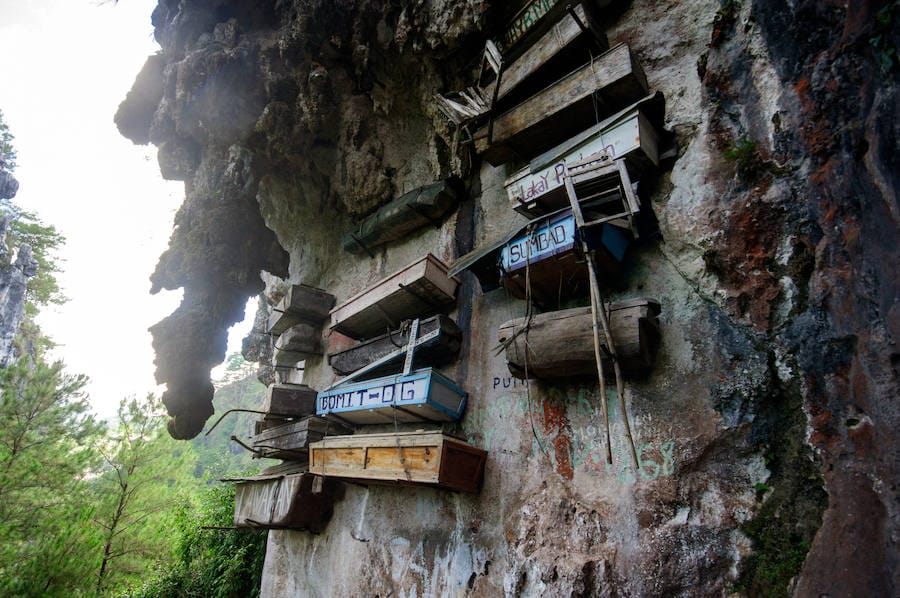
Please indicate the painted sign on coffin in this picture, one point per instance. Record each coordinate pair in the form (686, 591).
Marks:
(554, 236)
(616, 141)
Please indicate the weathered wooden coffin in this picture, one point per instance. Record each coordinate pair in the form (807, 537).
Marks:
(302, 501)
(532, 21)
(631, 134)
(297, 343)
(438, 351)
(289, 400)
(570, 40)
(609, 83)
(415, 458)
(423, 395)
(424, 206)
(421, 289)
(290, 441)
(301, 303)
(550, 247)
(560, 344)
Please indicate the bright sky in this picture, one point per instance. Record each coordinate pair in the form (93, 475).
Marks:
(67, 65)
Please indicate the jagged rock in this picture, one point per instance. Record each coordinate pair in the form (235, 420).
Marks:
(14, 279)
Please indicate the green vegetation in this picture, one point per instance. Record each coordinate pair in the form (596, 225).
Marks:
(95, 509)
(884, 42)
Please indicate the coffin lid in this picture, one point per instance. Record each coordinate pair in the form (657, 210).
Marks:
(653, 106)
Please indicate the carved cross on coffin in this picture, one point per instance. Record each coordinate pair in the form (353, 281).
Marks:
(408, 351)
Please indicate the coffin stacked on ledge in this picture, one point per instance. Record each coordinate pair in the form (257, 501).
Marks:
(296, 323)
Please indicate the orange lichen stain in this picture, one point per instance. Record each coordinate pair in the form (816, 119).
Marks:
(555, 421)
(822, 174)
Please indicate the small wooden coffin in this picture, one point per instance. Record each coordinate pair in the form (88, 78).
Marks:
(415, 458)
(299, 342)
(424, 395)
(289, 400)
(564, 108)
(424, 206)
(631, 134)
(290, 441)
(302, 501)
(560, 344)
(571, 40)
(438, 351)
(531, 21)
(421, 289)
(301, 303)
(550, 248)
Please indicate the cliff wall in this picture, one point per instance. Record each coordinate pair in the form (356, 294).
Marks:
(767, 426)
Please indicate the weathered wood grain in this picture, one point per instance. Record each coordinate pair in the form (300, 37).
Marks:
(564, 108)
(421, 289)
(438, 351)
(415, 458)
(289, 400)
(290, 440)
(560, 344)
(301, 501)
(301, 303)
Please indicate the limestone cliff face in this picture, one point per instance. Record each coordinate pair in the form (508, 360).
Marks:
(769, 422)
(14, 277)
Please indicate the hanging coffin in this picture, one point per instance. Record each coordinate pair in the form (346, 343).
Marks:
(608, 83)
(439, 350)
(560, 344)
(301, 303)
(290, 440)
(631, 134)
(550, 248)
(421, 289)
(413, 458)
(424, 206)
(532, 21)
(302, 501)
(289, 400)
(425, 395)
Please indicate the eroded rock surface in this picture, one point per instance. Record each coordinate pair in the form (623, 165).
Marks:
(767, 429)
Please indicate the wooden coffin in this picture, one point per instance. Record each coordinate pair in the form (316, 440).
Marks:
(290, 440)
(289, 400)
(438, 351)
(560, 344)
(301, 303)
(532, 21)
(424, 206)
(421, 289)
(415, 458)
(570, 40)
(630, 135)
(302, 501)
(555, 265)
(562, 109)
(550, 248)
(297, 343)
(424, 395)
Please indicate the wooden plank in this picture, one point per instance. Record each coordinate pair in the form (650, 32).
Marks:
(420, 289)
(629, 135)
(424, 395)
(301, 303)
(563, 108)
(560, 343)
(289, 400)
(415, 458)
(301, 502)
(424, 206)
(435, 352)
(565, 35)
(290, 440)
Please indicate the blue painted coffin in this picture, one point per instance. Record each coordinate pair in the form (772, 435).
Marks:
(425, 395)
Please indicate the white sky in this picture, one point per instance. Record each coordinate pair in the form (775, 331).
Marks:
(67, 65)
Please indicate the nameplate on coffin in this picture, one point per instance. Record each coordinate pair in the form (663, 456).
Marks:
(424, 395)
